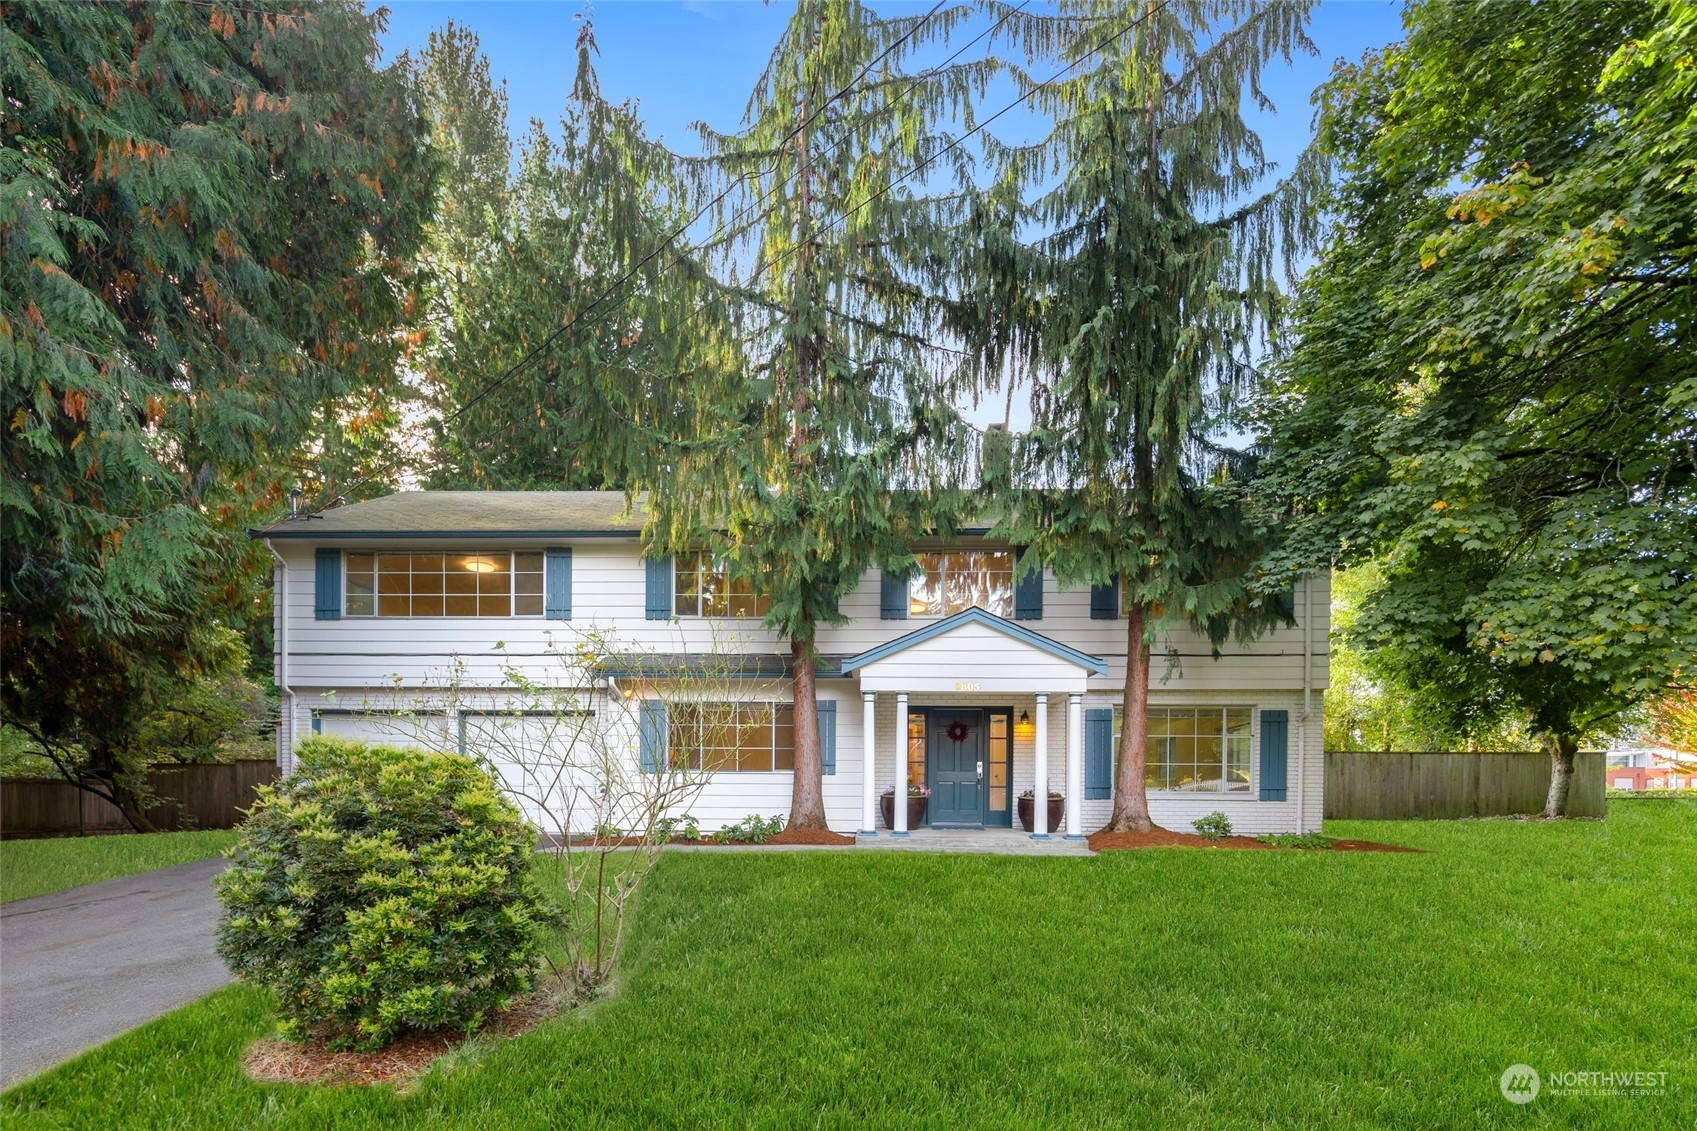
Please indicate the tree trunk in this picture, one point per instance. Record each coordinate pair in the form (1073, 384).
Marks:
(807, 797)
(1131, 794)
(1561, 748)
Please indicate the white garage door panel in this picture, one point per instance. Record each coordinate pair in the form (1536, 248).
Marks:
(534, 760)
(431, 732)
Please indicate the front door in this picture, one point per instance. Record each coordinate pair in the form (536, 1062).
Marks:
(956, 753)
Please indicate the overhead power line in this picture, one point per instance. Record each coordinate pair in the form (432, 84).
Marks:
(569, 324)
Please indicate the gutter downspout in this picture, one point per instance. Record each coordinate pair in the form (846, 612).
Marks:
(1307, 696)
(286, 741)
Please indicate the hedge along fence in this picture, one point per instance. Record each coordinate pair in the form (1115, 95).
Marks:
(1368, 785)
(204, 796)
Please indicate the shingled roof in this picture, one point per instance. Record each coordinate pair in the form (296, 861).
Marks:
(470, 514)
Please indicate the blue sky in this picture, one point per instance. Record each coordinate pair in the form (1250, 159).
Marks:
(698, 59)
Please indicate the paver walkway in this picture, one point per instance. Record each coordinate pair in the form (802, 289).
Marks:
(1002, 842)
(79, 967)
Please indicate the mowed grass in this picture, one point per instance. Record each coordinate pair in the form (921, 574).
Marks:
(1165, 989)
(37, 867)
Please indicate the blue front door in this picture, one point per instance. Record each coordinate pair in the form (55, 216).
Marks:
(956, 752)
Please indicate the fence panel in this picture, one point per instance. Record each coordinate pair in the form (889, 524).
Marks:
(1404, 785)
(210, 796)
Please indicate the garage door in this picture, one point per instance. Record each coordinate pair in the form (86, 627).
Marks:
(543, 763)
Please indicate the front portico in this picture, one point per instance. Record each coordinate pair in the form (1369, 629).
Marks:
(955, 666)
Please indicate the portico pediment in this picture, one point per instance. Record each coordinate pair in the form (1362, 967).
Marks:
(974, 651)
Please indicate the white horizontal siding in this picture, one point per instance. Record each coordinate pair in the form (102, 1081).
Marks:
(608, 596)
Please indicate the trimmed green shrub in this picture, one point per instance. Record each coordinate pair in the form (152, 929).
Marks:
(379, 890)
(1214, 826)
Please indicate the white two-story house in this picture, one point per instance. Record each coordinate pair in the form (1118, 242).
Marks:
(970, 677)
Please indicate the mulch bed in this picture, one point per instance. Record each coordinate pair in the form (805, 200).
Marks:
(1166, 838)
(809, 836)
(274, 1060)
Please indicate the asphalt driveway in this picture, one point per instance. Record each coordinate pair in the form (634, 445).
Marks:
(79, 967)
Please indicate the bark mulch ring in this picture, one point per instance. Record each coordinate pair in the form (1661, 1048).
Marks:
(1166, 838)
(274, 1060)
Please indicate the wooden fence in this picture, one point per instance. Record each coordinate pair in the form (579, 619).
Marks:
(1402, 786)
(209, 796)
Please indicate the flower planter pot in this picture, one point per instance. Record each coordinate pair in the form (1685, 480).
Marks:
(1057, 813)
(915, 810)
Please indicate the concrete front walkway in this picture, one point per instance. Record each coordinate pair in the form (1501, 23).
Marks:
(79, 967)
(1001, 842)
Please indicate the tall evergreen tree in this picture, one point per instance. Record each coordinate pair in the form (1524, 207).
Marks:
(573, 317)
(841, 445)
(207, 217)
(1137, 310)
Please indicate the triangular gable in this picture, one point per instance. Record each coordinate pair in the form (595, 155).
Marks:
(977, 616)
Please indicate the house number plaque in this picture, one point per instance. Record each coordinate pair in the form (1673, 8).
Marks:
(967, 685)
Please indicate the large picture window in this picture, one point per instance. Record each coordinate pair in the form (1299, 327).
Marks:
(1195, 749)
(705, 588)
(953, 581)
(444, 584)
(726, 737)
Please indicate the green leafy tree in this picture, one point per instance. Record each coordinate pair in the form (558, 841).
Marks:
(1493, 385)
(1370, 703)
(838, 445)
(1136, 309)
(207, 217)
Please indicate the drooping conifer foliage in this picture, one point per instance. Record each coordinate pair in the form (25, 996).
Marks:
(208, 216)
(841, 444)
(1494, 385)
(572, 333)
(1136, 307)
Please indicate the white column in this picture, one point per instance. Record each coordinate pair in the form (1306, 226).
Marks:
(1040, 791)
(1075, 767)
(898, 803)
(868, 761)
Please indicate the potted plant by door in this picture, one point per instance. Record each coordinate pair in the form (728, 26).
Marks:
(1027, 812)
(916, 796)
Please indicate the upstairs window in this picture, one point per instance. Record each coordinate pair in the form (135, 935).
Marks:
(953, 581)
(731, 737)
(444, 584)
(705, 588)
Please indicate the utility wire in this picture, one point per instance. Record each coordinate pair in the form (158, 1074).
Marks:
(518, 366)
(661, 245)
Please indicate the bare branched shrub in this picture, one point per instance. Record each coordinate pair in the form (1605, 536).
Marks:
(565, 740)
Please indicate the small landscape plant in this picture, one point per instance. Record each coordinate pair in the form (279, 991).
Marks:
(1031, 795)
(379, 890)
(1214, 826)
(686, 829)
(752, 829)
(1297, 840)
(914, 789)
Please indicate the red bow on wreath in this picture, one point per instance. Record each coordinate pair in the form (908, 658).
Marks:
(958, 731)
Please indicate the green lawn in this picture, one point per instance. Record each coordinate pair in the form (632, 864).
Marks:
(1169, 989)
(36, 867)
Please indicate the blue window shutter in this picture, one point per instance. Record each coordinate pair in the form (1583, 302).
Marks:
(828, 736)
(1098, 753)
(1105, 601)
(659, 606)
(327, 586)
(1275, 747)
(557, 583)
(892, 604)
(1028, 593)
(651, 732)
